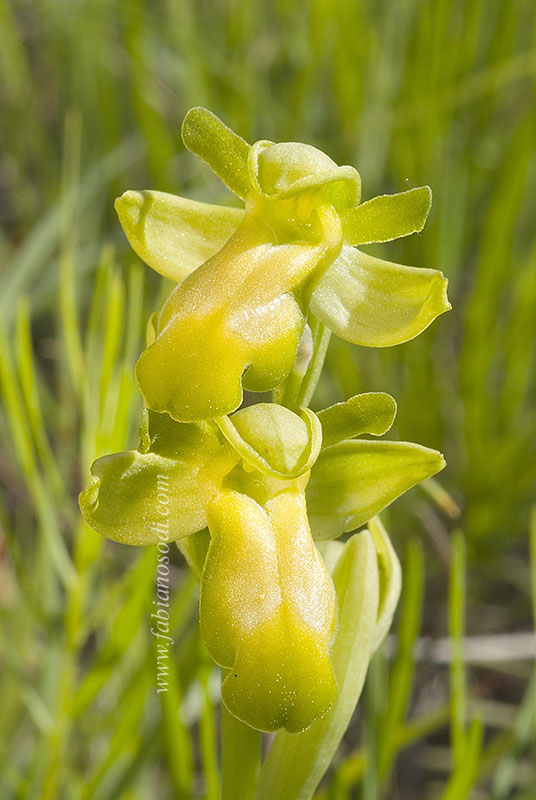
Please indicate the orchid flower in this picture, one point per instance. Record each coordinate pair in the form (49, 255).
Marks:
(248, 277)
(268, 491)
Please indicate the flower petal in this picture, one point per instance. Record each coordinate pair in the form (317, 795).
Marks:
(174, 235)
(387, 217)
(226, 153)
(354, 480)
(141, 498)
(268, 611)
(375, 303)
(371, 412)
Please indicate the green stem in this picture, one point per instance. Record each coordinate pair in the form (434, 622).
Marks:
(208, 740)
(299, 387)
(240, 755)
(321, 337)
(458, 689)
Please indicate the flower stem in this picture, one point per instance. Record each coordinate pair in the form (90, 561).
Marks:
(321, 337)
(298, 389)
(240, 756)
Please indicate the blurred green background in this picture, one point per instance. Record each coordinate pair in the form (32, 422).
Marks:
(92, 94)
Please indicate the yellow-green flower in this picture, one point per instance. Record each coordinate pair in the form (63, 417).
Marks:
(248, 277)
(268, 483)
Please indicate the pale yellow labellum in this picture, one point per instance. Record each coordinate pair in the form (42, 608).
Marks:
(268, 611)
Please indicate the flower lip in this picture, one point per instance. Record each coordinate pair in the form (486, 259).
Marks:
(286, 169)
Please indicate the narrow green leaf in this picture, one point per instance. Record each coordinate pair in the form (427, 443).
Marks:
(296, 763)
(112, 333)
(457, 591)
(387, 217)
(207, 737)
(517, 744)
(176, 736)
(124, 624)
(30, 379)
(134, 313)
(354, 480)
(147, 99)
(172, 234)
(68, 250)
(390, 575)
(401, 678)
(130, 707)
(240, 756)
(222, 149)
(464, 776)
(372, 412)
(376, 303)
(532, 541)
(43, 501)
(37, 249)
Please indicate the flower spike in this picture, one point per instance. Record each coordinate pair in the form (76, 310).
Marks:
(255, 494)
